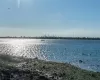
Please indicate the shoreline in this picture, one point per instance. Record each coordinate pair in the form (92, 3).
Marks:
(35, 69)
(66, 38)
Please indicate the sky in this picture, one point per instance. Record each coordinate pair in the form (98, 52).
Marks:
(70, 18)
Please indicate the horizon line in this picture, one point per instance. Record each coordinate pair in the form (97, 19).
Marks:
(50, 37)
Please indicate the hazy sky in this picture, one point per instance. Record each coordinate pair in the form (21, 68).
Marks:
(53, 17)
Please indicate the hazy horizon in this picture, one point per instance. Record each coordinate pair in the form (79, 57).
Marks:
(70, 18)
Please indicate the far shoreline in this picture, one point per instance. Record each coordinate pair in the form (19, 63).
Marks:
(66, 38)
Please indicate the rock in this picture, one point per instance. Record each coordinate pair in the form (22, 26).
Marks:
(80, 61)
(44, 67)
(42, 78)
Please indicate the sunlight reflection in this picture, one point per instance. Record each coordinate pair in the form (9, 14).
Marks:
(26, 48)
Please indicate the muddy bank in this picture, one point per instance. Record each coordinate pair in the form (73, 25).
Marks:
(18, 68)
(16, 74)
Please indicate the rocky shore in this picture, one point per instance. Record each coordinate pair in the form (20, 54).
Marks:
(18, 68)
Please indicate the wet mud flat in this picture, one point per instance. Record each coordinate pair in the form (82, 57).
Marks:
(18, 68)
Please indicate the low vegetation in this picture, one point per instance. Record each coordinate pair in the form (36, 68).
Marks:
(17, 68)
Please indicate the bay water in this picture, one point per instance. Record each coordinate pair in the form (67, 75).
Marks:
(81, 53)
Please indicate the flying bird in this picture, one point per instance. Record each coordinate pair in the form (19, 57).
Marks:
(8, 8)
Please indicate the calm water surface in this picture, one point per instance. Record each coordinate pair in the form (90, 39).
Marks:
(81, 53)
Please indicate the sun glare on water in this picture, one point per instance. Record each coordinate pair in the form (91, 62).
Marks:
(17, 42)
(26, 48)
(18, 46)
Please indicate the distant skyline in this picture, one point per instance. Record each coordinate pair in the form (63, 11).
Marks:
(70, 18)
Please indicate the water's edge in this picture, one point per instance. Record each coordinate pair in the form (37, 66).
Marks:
(35, 69)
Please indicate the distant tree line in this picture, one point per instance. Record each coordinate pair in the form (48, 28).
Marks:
(54, 37)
